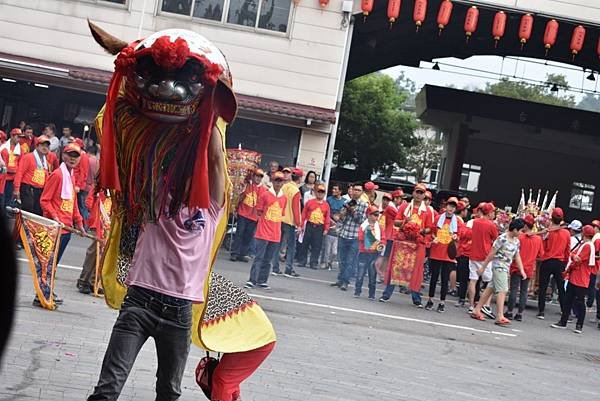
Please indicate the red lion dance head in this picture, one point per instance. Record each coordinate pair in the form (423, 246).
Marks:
(179, 80)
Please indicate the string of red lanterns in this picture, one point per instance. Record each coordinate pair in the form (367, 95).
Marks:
(419, 12)
(498, 27)
(550, 34)
(471, 21)
(393, 10)
(525, 29)
(444, 14)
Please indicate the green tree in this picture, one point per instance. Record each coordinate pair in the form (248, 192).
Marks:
(534, 92)
(374, 132)
(426, 154)
(590, 103)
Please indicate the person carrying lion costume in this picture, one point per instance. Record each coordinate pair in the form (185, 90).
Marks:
(163, 159)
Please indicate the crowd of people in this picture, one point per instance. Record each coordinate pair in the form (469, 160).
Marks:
(53, 177)
(469, 252)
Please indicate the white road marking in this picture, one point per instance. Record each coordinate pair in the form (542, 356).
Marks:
(395, 317)
(59, 265)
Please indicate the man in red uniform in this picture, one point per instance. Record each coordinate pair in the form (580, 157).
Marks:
(557, 250)
(582, 262)
(31, 176)
(80, 174)
(59, 201)
(270, 210)
(415, 211)
(531, 250)
(316, 217)
(483, 235)
(441, 261)
(11, 154)
(247, 217)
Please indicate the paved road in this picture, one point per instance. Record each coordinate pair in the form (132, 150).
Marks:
(330, 347)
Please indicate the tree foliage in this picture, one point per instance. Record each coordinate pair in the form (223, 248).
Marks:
(590, 103)
(374, 132)
(534, 92)
(425, 155)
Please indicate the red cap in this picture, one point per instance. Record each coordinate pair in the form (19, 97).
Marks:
(420, 187)
(388, 196)
(16, 132)
(529, 219)
(297, 171)
(588, 231)
(558, 213)
(278, 175)
(452, 200)
(428, 195)
(72, 147)
(398, 193)
(461, 206)
(372, 209)
(370, 186)
(41, 139)
(79, 142)
(486, 208)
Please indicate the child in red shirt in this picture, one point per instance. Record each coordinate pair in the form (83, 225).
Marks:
(247, 217)
(371, 240)
(531, 250)
(582, 262)
(445, 232)
(315, 224)
(270, 210)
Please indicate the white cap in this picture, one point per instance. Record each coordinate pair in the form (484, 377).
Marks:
(575, 225)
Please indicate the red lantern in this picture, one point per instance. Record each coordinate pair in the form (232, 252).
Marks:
(420, 12)
(577, 40)
(393, 10)
(323, 3)
(525, 29)
(444, 14)
(598, 48)
(550, 34)
(471, 22)
(499, 27)
(366, 6)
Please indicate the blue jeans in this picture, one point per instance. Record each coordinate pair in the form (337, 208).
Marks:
(145, 313)
(244, 233)
(83, 210)
(259, 272)
(288, 235)
(64, 241)
(366, 264)
(347, 258)
(389, 289)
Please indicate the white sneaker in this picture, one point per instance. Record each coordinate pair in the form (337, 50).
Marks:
(470, 310)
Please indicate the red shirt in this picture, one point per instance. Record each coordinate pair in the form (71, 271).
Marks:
(531, 249)
(11, 161)
(53, 163)
(579, 272)
(248, 200)
(464, 239)
(54, 206)
(270, 209)
(371, 244)
(317, 212)
(483, 235)
(96, 221)
(439, 248)
(80, 172)
(29, 173)
(390, 215)
(558, 245)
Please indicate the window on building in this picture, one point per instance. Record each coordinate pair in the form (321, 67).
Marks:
(469, 178)
(183, 7)
(582, 196)
(209, 9)
(272, 15)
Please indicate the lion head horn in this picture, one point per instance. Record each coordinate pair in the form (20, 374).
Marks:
(110, 43)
